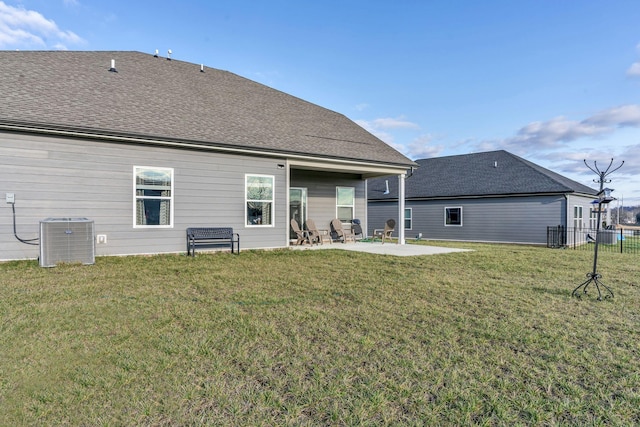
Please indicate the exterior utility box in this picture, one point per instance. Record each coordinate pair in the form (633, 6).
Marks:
(68, 240)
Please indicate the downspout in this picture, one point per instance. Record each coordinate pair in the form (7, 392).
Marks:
(287, 180)
(401, 178)
(566, 210)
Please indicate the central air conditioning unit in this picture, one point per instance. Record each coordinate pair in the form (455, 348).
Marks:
(66, 240)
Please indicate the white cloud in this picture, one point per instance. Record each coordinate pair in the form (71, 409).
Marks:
(634, 70)
(631, 157)
(9, 37)
(379, 127)
(623, 116)
(386, 128)
(423, 148)
(21, 28)
(382, 128)
(361, 107)
(555, 133)
(572, 161)
(391, 123)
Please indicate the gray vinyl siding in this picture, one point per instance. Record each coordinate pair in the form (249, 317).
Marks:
(321, 194)
(380, 212)
(56, 177)
(508, 219)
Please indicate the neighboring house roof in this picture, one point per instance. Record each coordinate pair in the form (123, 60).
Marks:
(156, 99)
(493, 173)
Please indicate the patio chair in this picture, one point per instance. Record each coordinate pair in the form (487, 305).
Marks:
(316, 235)
(340, 233)
(385, 233)
(302, 236)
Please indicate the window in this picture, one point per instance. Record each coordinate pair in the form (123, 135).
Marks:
(453, 216)
(408, 219)
(153, 197)
(577, 217)
(345, 203)
(259, 190)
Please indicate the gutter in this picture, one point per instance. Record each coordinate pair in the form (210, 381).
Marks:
(483, 196)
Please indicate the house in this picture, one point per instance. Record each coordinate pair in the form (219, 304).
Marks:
(488, 197)
(146, 146)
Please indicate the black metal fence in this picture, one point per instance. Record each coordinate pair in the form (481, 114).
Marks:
(609, 240)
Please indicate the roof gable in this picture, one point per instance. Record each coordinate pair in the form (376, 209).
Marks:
(160, 99)
(494, 173)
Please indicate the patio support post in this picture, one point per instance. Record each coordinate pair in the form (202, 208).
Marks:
(401, 178)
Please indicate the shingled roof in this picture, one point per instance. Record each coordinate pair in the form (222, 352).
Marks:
(157, 99)
(493, 173)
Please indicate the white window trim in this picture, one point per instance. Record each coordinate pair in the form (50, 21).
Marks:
(273, 201)
(410, 218)
(445, 216)
(593, 218)
(581, 217)
(352, 206)
(136, 197)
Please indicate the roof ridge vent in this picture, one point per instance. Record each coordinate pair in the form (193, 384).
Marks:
(202, 68)
(113, 66)
(155, 55)
(169, 55)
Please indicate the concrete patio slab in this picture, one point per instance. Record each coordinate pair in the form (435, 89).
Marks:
(380, 249)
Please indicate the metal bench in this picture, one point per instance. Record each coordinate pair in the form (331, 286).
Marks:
(212, 236)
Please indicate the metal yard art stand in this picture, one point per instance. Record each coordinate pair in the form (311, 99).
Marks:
(604, 197)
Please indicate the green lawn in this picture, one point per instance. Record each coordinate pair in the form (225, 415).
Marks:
(489, 337)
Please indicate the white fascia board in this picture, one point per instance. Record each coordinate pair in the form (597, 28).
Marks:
(369, 170)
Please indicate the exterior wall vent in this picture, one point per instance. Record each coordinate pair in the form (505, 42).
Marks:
(66, 240)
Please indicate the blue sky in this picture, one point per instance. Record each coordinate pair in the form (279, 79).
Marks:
(553, 81)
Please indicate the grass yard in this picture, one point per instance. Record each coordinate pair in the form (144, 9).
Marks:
(489, 337)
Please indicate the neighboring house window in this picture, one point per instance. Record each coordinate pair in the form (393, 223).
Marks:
(593, 218)
(153, 196)
(453, 216)
(345, 203)
(259, 191)
(408, 219)
(577, 217)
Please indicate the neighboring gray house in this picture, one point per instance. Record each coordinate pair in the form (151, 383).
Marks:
(490, 197)
(146, 146)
